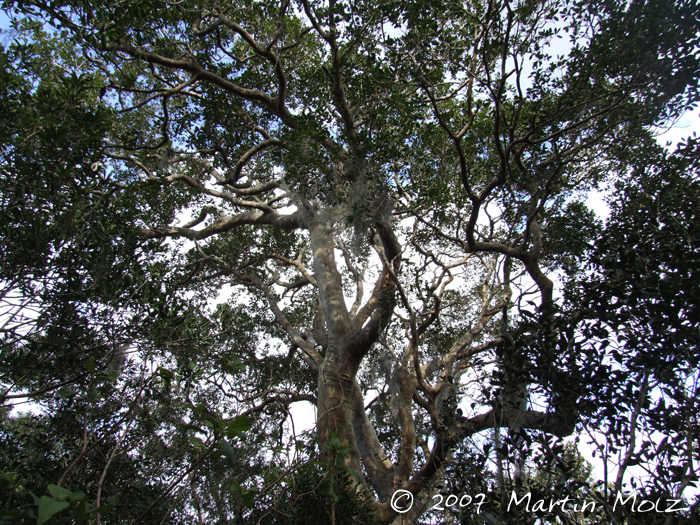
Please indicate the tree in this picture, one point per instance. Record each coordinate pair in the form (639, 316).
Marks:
(303, 154)
(643, 292)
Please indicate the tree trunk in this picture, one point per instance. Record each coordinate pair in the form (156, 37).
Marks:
(336, 379)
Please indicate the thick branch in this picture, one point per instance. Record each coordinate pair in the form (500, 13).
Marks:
(252, 95)
(286, 222)
(329, 282)
(245, 158)
(549, 423)
(377, 464)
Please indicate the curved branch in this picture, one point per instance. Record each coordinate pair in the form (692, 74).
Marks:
(252, 95)
(379, 469)
(245, 158)
(550, 423)
(286, 222)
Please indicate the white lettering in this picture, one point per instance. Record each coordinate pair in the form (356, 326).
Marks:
(583, 507)
(643, 502)
(461, 501)
(562, 503)
(619, 497)
(538, 506)
(483, 498)
(513, 497)
(675, 502)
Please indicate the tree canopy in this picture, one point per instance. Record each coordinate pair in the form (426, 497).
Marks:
(213, 212)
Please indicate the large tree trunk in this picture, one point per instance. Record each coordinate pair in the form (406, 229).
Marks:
(336, 375)
(341, 412)
(336, 381)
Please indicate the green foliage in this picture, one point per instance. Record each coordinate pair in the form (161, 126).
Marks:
(311, 494)
(190, 191)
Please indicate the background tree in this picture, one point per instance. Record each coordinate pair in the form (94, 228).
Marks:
(301, 155)
(642, 323)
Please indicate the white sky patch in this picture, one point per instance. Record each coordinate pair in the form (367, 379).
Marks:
(686, 126)
(595, 201)
(303, 415)
(302, 418)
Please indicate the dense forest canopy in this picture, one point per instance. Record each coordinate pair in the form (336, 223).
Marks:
(212, 212)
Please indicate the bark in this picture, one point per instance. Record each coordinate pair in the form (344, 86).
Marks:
(336, 375)
(330, 286)
(336, 382)
(379, 469)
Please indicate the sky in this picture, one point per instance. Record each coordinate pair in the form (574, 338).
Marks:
(303, 414)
